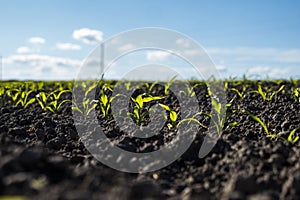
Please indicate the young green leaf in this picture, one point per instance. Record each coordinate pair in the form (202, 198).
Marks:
(257, 119)
(279, 90)
(139, 101)
(291, 135)
(238, 92)
(151, 98)
(63, 102)
(90, 88)
(50, 109)
(31, 101)
(104, 99)
(261, 92)
(57, 97)
(216, 105)
(167, 108)
(191, 119)
(173, 116)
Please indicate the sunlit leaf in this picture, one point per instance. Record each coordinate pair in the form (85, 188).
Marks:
(255, 118)
(173, 116)
(165, 107)
(139, 101)
(216, 105)
(31, 101)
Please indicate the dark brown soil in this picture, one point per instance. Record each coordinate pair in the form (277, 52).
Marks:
(42, 157)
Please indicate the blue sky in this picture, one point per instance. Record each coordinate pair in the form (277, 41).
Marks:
(257, 38)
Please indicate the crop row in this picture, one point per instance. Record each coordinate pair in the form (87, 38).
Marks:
(52, 96)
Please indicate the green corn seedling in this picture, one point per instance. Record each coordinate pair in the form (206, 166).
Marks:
(257, 119)
(190, 90)
(128, 85)
(291, 138)
(87, 106)
(296, 92)
(104, 103)
(267, 95)
(138, 115)
(242, 92)
(50, 102)
(2, 95)
(149, 87)
(20, 97)
(173, 116)
(168, 85)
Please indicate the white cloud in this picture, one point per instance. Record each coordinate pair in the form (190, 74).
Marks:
(183, 42)
(40, 60)
(23, 49)
(264, 71)
(221, 67)
(257, 70)
(126, 47)
(193, 52)
(36, 66)
(253, 54)
(157, 55)
(88, 36)
(37, 40)
(68, 46)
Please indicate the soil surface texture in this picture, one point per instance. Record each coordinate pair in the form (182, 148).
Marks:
(43, 157)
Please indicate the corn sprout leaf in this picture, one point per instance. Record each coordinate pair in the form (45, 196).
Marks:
(296, 139)
(102, 110)
(149, 99)
(281, 88)
(296, 92)
(62, 102)
(90, 109)
(165, 107)
(107, 109)
(85, 103)
(23, 95)
(43, 95)
(104, 99)
(228, 105)
(50, 109)
(233, 124)
(31, 101)
(168, 84)
(139, 101)
(272, 136)
(41, 104)
(238, 92)
(216, 105)
(20, 102)
(291, 135)
(261, 92)
(60, 93)
(53, 103)
(136, 112)
(255, 118)
(127, 85)
(75, 108)
(14, 97)
(173, 116)
(27, 94)
(189, 120)
(90, 89)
